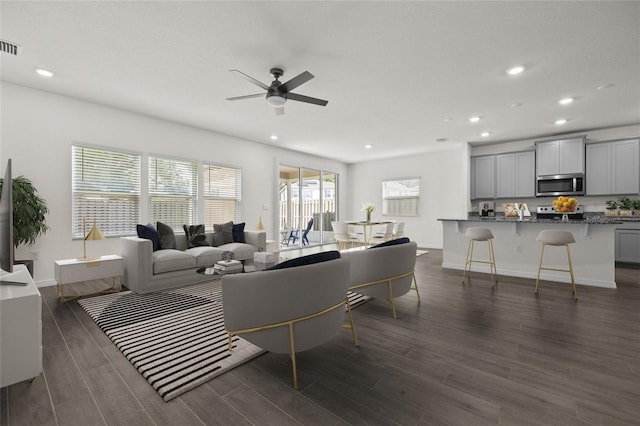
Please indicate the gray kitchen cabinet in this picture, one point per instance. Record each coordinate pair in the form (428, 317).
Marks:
(515, 174)
(484, 182)
(628, 245)
(613, 167)
(560, 157)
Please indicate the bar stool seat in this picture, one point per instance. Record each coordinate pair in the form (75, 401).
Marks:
(556, 238)
(480, 234)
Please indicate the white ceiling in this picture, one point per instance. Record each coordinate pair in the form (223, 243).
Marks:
(391, 71)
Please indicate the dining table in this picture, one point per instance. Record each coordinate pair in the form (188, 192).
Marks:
(367, 228)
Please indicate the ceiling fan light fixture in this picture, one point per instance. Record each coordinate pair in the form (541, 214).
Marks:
(515, 70)
(276, 101)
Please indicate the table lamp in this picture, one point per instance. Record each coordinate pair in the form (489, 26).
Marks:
(93, 235)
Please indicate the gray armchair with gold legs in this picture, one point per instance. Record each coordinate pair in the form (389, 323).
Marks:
(289, 310)
(385, 271)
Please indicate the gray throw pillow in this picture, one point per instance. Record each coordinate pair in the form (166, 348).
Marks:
(167, 239)
(195, 236)
(222, 233)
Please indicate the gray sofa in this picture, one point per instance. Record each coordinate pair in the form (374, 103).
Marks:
(146, 271)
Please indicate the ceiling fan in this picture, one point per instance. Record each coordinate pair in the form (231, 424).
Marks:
(278, 93)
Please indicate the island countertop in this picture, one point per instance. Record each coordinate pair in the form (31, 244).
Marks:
(517, 250)
(590, 220)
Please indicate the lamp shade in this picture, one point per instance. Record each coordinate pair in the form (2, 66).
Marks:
(94, 234)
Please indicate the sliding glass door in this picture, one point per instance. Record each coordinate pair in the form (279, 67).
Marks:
(308, 204)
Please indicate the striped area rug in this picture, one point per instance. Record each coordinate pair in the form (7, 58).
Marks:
(175, 338)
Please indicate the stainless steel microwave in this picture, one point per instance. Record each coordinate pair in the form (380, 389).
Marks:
(560, 185)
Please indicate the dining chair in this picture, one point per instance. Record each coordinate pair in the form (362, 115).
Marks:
(398, 230)
(385, 235)
(342, 235)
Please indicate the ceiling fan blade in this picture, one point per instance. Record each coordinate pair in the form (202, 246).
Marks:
(295, 82)
(237, 98)
(307, 99)
(251, 79)
(279, 111)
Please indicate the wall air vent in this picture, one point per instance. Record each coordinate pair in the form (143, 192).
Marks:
(8, 47)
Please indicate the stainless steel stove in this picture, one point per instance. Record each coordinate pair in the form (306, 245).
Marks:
(547, 212)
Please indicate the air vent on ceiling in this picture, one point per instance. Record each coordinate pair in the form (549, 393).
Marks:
(8, 47)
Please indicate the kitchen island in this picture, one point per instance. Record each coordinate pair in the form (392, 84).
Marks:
(517, 252)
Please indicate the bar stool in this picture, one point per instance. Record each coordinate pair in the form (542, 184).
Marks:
(556, 238)
(480, 234)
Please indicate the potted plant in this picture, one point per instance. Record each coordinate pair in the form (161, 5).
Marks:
(612, 208)
(29, 211)
(626, 205)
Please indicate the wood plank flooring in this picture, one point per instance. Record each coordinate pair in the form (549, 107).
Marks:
(468, 355)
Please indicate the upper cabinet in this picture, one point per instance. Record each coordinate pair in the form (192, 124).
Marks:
(503, 176)
(560, 157)
(613, 167)
(484, 178)
(515, 174)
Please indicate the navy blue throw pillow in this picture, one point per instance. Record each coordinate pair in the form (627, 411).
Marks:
(307, 260)
(238, 232)
(149, 232)
(395, 242)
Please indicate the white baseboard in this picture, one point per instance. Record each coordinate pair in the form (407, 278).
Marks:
(564, 278)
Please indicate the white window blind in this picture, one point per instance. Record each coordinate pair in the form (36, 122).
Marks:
(105, 188)
(401, 197)
(172, 191)
(221, 189)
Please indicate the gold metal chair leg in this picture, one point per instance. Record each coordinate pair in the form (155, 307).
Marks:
(230, 344)
(467, 261)
(573, 281)
(415, 283)
(352, 325)
(292, 355)
(492, 266)
(393, 305)
(539, 268)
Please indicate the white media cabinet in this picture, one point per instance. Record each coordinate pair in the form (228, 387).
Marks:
(20, 329)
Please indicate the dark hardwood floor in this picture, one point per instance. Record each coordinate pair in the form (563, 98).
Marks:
(468, 355)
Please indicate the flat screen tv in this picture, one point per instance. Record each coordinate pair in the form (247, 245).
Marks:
(6, 221)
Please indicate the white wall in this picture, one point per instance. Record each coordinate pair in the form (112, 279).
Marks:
(38, 129)
(443, 190)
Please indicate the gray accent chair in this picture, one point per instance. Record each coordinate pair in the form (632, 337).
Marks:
(384, 272)
(288, 310)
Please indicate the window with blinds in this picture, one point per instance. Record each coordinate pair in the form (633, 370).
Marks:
(221, 191)
(401, 197)
(173, 186)
(105, 189)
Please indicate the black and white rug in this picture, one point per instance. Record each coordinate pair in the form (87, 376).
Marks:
(175, 338)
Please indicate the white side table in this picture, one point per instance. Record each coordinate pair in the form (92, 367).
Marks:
(75, 270)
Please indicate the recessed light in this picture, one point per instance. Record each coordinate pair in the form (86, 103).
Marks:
(606, 86)
(516, 105)
(474, 119)
(368, 146)
(274, 137)
(516, 70)
(44, 73)
(560, 122)
(448, 119)
(485, 134)
(565, 101)
(440, 140)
